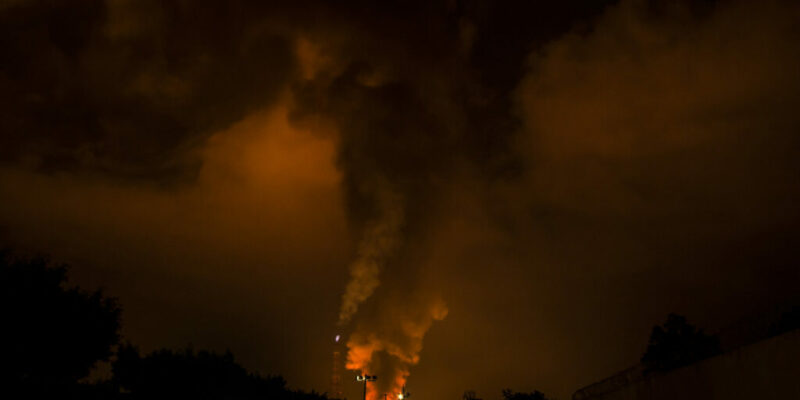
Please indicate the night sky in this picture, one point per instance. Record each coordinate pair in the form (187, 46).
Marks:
(474, 194)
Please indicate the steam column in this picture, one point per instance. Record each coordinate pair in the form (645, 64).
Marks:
(365, 379)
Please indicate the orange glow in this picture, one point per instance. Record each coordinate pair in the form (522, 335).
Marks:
(401, 340)
(264, 150)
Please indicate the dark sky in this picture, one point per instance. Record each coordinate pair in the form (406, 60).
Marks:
(479, 194)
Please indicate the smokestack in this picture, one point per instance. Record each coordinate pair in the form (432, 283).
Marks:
(336, 370)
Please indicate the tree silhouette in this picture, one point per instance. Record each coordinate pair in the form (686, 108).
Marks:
(677, 343)
(508, 394)
(470, 395)
(199, 375)
(788, 321)
(54, 334)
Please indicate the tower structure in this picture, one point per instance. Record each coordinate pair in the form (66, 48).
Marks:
(336, 372)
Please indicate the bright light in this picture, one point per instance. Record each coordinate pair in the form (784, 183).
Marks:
(400, 396)
(337, 338)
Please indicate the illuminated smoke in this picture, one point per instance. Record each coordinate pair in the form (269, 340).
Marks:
(390, 350)
(378, 242)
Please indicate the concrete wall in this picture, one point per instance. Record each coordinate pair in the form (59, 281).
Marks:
(769, 369)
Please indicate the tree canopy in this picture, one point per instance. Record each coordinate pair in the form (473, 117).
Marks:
(788, 321)
(54, 334)
(197, 375)
(508, 394)
(677, 343)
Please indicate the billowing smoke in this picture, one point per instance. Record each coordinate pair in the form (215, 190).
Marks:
(585, 168)
(379, 241)
(388, 343)
(394, 345)
(393, 149)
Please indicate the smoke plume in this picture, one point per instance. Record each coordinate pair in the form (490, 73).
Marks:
(379, 240)
(394, 345)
